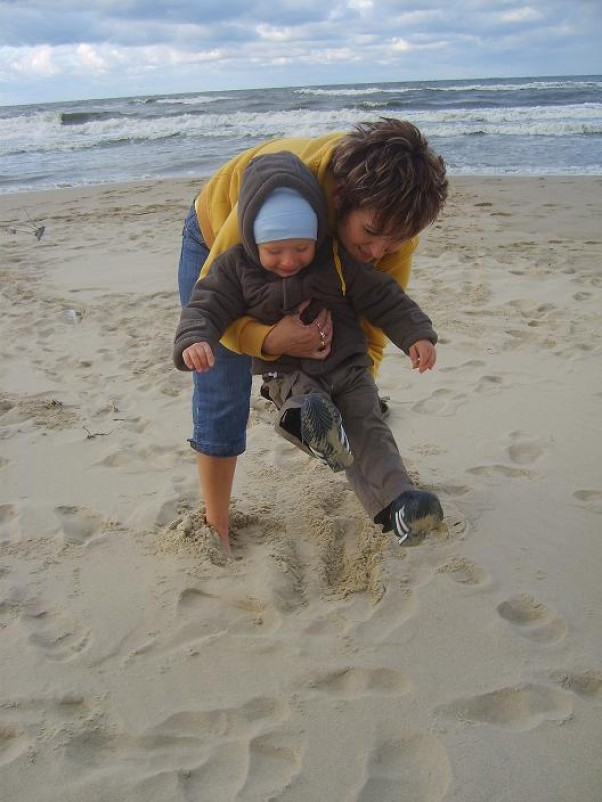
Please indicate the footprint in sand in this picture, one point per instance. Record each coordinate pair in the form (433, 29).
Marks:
(500, 470)
(586, 684)
(465, 572)
(524, 450)
(255, 771)
(413, 768)
(377, 624)
(532, 619)
(470, 365)
(590, 499)
(209, 753)
(132, 457)
(78, 524)
(489, 384)
(246, 720)
(240, 753)
(519, 708)
(208, 615)
(442, 403)
(35, 718)
(13, 742)
(350, 682)
(56, 636)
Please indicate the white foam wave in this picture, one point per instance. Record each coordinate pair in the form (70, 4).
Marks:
(354, 92)
(442, 86)
(195, 100)
(44, 132)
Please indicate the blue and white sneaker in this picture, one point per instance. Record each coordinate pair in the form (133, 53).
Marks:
(413, 513)
(323, 433)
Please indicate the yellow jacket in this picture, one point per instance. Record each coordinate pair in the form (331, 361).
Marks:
(217, 215)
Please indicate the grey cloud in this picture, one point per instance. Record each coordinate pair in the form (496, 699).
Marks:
(126, 23)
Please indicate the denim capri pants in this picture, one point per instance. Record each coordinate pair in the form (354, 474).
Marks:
(221, 396)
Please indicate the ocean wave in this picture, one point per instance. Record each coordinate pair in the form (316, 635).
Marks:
(84, 117)
(539, 125)
(193, 100)
(533, 86)
(515, 85)
(87, 130)
(352, 92)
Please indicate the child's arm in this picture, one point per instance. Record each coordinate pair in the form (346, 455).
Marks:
(230, 290)
(382, 301)
(216, 301)
(398, 265)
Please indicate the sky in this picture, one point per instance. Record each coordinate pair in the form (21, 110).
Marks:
(55, 50)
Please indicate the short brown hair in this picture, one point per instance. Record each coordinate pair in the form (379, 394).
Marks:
(387, 165)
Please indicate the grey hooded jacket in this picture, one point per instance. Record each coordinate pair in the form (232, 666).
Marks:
(238, 285)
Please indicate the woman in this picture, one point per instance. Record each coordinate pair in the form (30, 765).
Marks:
(383, 185)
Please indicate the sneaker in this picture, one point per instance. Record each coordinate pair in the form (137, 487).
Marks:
(413, 513)
(323, 433)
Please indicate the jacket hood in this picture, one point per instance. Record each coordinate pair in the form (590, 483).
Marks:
(262, 176)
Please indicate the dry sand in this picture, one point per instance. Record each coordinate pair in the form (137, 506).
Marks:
(324, 662)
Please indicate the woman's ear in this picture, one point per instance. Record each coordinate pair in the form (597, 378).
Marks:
(336, 195)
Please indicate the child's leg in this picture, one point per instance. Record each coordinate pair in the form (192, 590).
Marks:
(378, 474)
(287, 392)
(308, 418)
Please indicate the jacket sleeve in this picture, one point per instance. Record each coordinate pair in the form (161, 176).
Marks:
(384, 304)
(398, 265)
(246, 334)
(216, 301)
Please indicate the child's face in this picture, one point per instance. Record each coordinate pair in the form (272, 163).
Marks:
(286, 257)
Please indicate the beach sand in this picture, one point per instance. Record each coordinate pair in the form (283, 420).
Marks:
(324, 662)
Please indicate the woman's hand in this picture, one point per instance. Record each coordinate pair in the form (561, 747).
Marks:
(291, 336)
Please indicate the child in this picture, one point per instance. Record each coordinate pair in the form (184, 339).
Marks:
(285, 259)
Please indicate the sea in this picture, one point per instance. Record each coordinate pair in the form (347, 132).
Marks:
(512, 126)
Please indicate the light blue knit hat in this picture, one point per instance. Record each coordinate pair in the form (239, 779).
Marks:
(285, 214)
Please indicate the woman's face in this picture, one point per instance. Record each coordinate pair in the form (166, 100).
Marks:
(359, 236)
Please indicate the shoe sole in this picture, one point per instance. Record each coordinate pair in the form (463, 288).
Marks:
(323, 433)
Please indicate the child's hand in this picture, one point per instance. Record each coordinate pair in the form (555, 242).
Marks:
(198, 356)
(423, 355)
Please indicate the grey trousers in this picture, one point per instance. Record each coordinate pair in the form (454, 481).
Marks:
(377, 474)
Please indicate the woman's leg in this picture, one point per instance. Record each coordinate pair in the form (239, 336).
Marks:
(220, 401)
(216, 477)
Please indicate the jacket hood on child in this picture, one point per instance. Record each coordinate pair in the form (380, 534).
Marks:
(262, 176)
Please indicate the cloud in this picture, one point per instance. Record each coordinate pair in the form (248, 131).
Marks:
(519, 15)
(37, 61)
(90, 58)
(54, 49)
